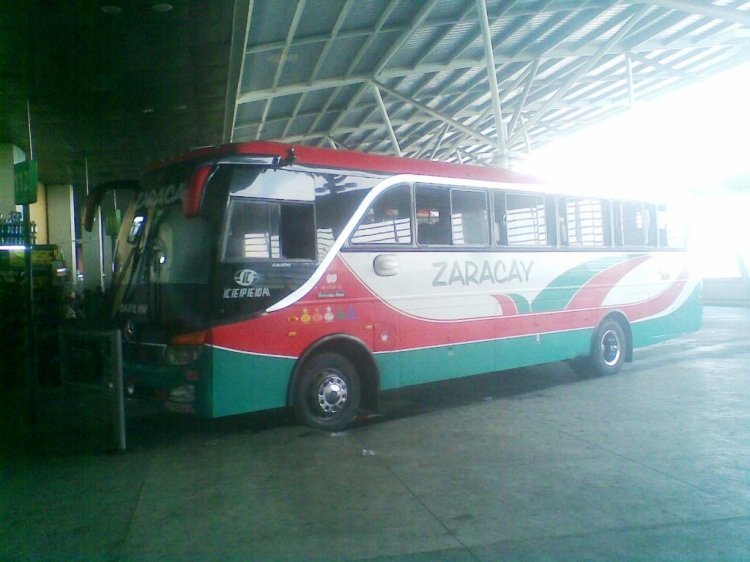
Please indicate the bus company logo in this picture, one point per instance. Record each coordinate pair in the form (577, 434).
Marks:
(468, 272)
(246, 277)
(162, 196)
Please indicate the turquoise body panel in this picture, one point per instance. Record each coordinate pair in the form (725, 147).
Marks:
(245, 382)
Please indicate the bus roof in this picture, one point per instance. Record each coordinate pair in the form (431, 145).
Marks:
(353, 160)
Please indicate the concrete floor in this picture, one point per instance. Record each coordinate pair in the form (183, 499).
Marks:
(534, 464)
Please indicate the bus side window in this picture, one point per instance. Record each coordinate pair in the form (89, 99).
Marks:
(469, 221)
(526, 222)
(617, 223)
(499, 226)
(672, 228)
(433, 215)
(387, 220)
(649, 211)
(263, 230)
(584, 222)
(250, 231)
(562, 221)
(638, 224)
(297, 231)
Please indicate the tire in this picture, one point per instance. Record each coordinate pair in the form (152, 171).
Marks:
(327, 392)
(608, 348)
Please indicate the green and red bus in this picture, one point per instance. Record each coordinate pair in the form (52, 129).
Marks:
(263, 275)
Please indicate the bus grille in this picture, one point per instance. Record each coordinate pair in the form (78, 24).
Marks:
(151, 354)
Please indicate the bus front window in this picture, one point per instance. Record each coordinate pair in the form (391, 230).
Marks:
(180, 249)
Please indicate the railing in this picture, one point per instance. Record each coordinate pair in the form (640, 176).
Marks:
(91, 363)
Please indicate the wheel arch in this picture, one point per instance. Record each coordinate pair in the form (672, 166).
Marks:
(355, 350)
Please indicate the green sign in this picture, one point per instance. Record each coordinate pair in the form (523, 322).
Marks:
(112, 222)
(24, 181)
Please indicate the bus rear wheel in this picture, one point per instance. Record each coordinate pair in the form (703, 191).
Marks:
(609, 347)
(327, 393)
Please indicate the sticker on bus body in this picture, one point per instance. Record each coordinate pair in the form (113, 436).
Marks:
(246, 277)
(246, 292)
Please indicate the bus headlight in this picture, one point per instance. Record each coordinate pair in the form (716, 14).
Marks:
(182, 354)
(182, 394)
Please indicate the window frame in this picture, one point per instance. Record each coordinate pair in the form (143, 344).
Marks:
(412, 226)
(563, 224)
(270, 204)
(650, 237)
(488, 214)
(548, 239)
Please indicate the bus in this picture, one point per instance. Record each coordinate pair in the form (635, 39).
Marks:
(262, 275)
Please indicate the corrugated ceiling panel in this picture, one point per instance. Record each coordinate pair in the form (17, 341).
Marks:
(259, 70)
(376, 51)
(270, 21)
(299, 63)
(456, 37)
(318, 17)
(341, 55)
(365, 15)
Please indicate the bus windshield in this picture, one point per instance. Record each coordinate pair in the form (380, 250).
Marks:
(163, 258)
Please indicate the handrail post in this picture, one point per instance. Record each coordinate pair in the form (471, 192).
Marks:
(118, 411)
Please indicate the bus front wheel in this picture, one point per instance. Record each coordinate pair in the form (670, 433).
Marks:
(327, 393)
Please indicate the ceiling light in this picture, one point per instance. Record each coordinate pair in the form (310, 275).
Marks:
(111, 9)
(162, 7)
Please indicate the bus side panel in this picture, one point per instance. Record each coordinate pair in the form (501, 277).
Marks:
(420, 366)
(247, 382)
(686, 319)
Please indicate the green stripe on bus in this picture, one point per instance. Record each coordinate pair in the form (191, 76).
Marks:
(440, 363)
(558, 293)
(522, 305)
(245, 382)
(684, 320)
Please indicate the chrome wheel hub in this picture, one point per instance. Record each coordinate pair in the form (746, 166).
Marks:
(332, 393)
(610, 346)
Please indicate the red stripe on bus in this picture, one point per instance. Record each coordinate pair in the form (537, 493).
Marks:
(288, 332)
(507, 305)
(594, 291)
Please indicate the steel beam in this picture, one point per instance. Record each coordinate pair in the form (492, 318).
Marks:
(422, 107)
(243, 11)
(590, 50)
(282, 61)
(392, 50)
(631, 85)
(500, 132)
(343, 13)
(385, 14)
(524, 95)
(708, 9)
(586, 67)
(384, 111)
(663, 67)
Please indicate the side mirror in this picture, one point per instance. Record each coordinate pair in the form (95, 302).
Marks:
(95, 196)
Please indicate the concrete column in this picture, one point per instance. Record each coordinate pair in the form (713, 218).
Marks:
(92, 256)
(38, 213)
(61, 230)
